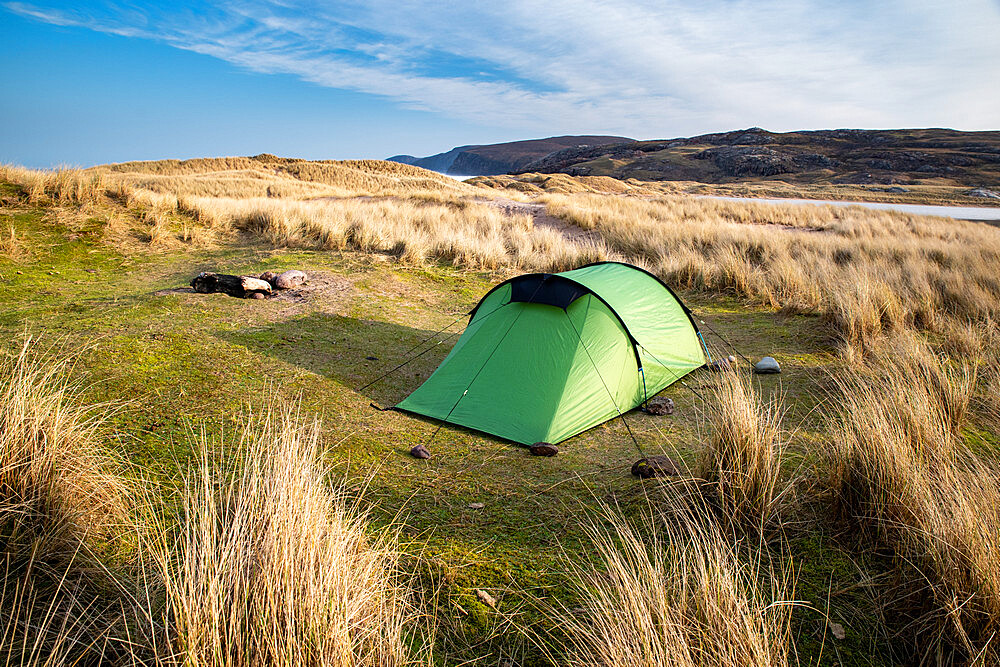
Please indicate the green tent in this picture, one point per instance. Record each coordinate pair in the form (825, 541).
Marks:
(546, 356)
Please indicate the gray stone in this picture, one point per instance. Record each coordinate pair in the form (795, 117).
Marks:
(719, 365)
(655, 466)
(837, 630)
(660, 406)
(984, 193)
(252, 285)
(476, 506)
(767, 365)
(289, 279)
(486, 598)
(543, 449)
(420, 452)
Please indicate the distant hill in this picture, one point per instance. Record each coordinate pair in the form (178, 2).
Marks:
(491, 159)
(916, 156)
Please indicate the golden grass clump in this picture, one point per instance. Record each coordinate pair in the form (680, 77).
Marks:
(742, 460)
(870, 273)
(57, 186)
(472, 235)
(674, 592)
(899, 468)
(63, 500)
(271, 565)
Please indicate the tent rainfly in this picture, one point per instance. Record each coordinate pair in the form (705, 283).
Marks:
(546, 356)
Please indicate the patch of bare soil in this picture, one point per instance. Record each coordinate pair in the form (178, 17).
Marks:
(541, 218)
(319, 286)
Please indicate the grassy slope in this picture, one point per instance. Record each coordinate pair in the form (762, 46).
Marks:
(180, 361)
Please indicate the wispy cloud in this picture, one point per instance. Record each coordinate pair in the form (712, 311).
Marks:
(642, 68)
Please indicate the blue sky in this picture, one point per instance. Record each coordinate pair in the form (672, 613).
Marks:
(96, 82)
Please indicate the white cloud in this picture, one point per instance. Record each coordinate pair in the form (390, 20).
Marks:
(649, 69)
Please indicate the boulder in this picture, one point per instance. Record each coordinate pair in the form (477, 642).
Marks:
(252, 286)
(269, 276)
(238, 286)
(984, 193)
(420, 452)
(659, 406)
(655, 466)
(289, 279)
(543, 449)
(767, 365)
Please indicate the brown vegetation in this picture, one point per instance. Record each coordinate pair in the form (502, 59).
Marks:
(273, 566)
(674, 591)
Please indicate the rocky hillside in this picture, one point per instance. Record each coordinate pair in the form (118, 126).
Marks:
(513, 156)
(922, 156)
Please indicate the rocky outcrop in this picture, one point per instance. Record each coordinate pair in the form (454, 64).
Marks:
(510, 157)
(938, 156)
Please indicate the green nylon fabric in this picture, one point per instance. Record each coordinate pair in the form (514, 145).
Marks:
(533, 372)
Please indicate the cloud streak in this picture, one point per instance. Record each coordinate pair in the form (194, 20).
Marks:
(649, 69)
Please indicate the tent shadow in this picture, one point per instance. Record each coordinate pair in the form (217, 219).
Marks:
(352, 352)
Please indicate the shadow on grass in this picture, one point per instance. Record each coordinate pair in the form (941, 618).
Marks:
(352, 352)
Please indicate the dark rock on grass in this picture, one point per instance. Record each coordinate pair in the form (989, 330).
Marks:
(766, 366)
(719, 365)
(655, 466)
(290, 279)
(543, 449)
(269, 276)
(420, 452)
(238, 286)
(660, 406)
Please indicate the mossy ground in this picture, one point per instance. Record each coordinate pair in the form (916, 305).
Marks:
(178, 363)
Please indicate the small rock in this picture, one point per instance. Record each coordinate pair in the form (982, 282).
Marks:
(289, 279)
(251, 284)
(660, 406)
(486, 598)
(654, 466)
(90, 270)
(476, 506)
(767, 365)
(420, 452)
(543, 449)
(371, 358)
(719, 365)
(256, 295)
(269, 276)
(984, 193)
(896, 188)
(731, 359)
(837, 630)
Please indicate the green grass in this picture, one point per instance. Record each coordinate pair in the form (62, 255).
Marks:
(181, 362)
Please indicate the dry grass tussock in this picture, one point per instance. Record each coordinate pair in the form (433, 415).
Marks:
(271, 565)
(266, 564)
(673, 591)
(470, 235)
(64, 504)
(741, 462)
(871, 273)
(270, 176)
(898, 466)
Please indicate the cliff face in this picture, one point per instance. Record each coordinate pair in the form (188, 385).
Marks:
(932, 156)
(492, 159)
